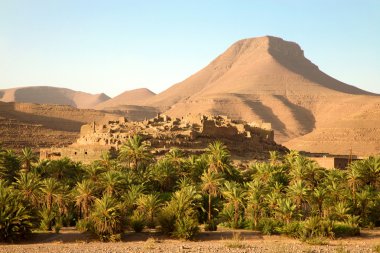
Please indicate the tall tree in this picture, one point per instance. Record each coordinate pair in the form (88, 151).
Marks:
(84, 195)
(218, 157)
(27, 158)
(135, 151)
(211, 184)
(234, 194)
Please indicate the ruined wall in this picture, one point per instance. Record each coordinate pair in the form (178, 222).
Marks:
(191, 134)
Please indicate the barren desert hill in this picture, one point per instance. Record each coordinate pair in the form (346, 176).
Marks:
(261, 66)
(52, 95)
(44, 125)
(269, 79)
(130, 97)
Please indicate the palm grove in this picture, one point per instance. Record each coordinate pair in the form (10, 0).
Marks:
(288, 194)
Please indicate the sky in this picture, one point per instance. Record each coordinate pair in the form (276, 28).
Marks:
(113, 46)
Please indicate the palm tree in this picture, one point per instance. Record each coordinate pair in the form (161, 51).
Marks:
(93, 172)
(234, 194)
(255, 199)
(185, 201)
(16, 218)
(27, 158)
(84, 195)
(112, 182)
(49, 189)
(9, 164)
(286, 209)
(218, 157)
(298, 192)
(175, 156)
(29, 186)
(211, 183)
(106, 217)
(274, 157)
(318, 196)
(354, 179)
(130, 198)
(135, 151)
(149, 204)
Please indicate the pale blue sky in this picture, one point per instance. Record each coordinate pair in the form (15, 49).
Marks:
(113, 46)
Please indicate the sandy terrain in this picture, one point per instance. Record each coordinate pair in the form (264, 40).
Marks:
(131, 97)
(24, 124)
(52, 95)
(70, 241)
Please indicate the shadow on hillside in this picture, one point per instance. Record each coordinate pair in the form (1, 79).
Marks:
(7, 110)
(297, 63)
(302, 115)
(265, 113)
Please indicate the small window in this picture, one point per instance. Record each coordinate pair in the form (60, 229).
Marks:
(75, 153)
(85, 153)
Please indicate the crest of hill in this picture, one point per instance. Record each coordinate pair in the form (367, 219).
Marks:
(131, 97)
(264, 65)
(52, 95)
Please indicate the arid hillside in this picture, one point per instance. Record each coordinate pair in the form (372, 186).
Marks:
(269, 79)
(34, 125)
(52, 95)
(130, 97)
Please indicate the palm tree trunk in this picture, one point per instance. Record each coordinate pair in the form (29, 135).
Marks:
(209, 208)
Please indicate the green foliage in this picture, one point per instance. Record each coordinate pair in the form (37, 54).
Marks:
(84, 225)
(269, 226)
(167, 219)
(186, 228)
(16, 219)
(292, 229)
(289, 194)
(47, 217)
(341, 229)
(9, 165)
(211, 225)
(315, 227)
(106, 218)
(137, 221)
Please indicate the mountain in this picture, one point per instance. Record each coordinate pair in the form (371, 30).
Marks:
(52, 95)
(269, 79)
(131, 97)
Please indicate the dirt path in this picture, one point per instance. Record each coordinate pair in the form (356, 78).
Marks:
(71, 241)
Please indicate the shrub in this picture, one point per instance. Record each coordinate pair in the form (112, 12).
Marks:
(167, 220)
(47, 219)
(84, 225)
(211, 226)
(341, 229)
(269, 226)
(137, 221)
(316, 227)
(292, 229)
(186, 228)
